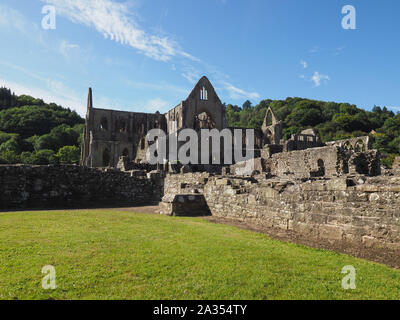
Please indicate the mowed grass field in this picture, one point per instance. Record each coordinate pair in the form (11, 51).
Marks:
(111, 254)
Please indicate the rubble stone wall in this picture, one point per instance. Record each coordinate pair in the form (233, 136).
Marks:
(302, 164)
(42, 187)
(354, 209)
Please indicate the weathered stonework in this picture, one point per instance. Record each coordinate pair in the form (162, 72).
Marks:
(352, 208)
(30, 187)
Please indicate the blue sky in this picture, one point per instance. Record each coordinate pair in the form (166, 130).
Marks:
(146, 55)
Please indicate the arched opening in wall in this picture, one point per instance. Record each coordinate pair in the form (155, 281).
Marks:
(321, 167)
(361, 164)
(104, 124)
(203, 121)
(106, 158)
(347, 146)
(345, 166)
(125, 153)
(122, 126)
(360, 146)
(203, 94)
(268, 119)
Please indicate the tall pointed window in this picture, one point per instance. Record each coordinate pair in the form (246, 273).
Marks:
(203, 94)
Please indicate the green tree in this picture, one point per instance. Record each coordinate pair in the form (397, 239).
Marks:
(11, 145)
(69, 155)
(247, 105)
(60, 136)
(9, 157)
(44, 157)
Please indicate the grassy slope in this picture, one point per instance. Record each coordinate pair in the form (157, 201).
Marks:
(108, 254)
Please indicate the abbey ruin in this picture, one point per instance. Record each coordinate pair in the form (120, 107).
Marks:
(336, 190)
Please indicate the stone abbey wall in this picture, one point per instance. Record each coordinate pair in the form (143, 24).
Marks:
(44, 187)
(352, 208)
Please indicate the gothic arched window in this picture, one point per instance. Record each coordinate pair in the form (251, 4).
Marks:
(203, 94)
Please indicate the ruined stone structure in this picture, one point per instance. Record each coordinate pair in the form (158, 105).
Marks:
(332, 190)
(111, 134)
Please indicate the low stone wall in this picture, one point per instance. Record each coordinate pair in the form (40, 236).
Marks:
(354, 209)
(189, 183)
(30, 187)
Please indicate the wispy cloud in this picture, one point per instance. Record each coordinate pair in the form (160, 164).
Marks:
(339, 51)
(10, 17)
(162, 87)
(116, 22)
(191, 74)
(318, 78)
(314, 49)
(236, 93)
(157, 104)
(66, 47)
(113, 21)
(304, 64)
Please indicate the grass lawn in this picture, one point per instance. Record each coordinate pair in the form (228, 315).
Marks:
(111, 254)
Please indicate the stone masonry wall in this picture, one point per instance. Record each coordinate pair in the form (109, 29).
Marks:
(301, 164)
(72, 186)
(354, 209)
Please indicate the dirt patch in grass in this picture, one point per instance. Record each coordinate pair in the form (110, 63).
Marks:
(379, 254)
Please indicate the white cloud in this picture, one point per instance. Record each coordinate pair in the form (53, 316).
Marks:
(236, 93)
(191, 74)
(157, 105)
(304, 64)
(157, 86)
(113, 20)
(66, 47)
(12, 18)
(317, 78)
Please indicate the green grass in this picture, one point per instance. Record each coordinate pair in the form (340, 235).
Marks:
(109, 254)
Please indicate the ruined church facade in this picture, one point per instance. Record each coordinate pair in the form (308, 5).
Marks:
(110, 135)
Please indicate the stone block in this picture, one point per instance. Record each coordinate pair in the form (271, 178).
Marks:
(331, 232)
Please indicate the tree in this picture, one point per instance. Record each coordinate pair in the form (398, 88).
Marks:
(30, 120)
(10, 145)
(60, 136)
(9, 157)
(246, 105)
(69, 155)
(44, 157)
